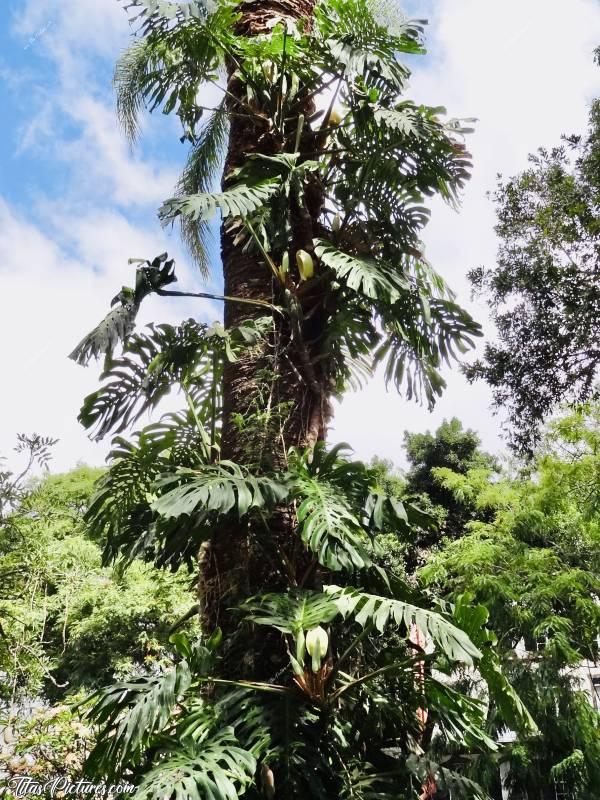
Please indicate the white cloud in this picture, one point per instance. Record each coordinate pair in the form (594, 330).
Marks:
(525, 70)
(49, 300)
(74, 122)
(78, 27)
(103, 157)
(63, 259)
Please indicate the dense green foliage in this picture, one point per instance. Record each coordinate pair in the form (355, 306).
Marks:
(543, 292)
(67, 622)
(368, 164)
(324, 664)
(535, 565)
(450, 448)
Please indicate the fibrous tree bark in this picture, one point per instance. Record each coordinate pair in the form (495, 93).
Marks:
(274, 389)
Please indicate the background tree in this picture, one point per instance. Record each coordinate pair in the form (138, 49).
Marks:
(449, 448)
(543, 292)
(37, 451)
(67, 623)
(535, 567)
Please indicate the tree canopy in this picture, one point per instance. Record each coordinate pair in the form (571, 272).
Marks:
(449, 448)
(544, 290)
(68, 623)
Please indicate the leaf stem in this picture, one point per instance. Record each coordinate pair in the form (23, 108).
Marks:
(221, 297)
(348, 651)
(397, 665)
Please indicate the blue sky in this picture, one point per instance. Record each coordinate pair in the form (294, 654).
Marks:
(76, 202)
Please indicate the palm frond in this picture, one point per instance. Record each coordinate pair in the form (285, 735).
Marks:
(199, 175)
(131, 77)
(180, 46)
(160, 15)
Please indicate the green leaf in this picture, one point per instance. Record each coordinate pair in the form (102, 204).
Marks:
(382, 611)
(329, 527)
(292, 612)
(115, 328)
(218, 489)
(129, 714)
(214, 769)
(472, 619)
(371, 278)
(239, 201)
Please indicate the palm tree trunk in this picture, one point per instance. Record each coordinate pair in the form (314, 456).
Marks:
(272, 397)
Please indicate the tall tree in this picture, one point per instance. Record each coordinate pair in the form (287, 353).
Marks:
(324, 277)
(543, 292)
(321, 218)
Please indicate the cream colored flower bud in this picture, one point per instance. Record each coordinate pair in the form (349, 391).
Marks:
(305, 264)
(336, 116)
(317, 643)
